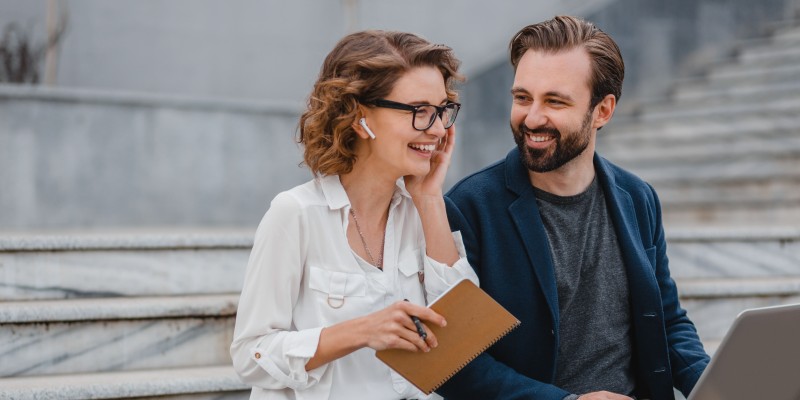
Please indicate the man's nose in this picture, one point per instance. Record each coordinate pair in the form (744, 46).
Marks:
(535, 117)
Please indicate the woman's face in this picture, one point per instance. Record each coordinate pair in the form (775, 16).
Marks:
(398, 148)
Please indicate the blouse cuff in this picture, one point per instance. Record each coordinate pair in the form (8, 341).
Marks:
(439, 276)
(286, 359)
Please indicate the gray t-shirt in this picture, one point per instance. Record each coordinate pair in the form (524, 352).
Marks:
(595, 343)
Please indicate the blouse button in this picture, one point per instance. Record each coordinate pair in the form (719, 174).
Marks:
(258, 356)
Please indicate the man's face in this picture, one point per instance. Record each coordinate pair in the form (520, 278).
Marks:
(550, 115)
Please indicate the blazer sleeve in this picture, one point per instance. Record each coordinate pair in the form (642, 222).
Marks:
(485, 377)
(687, 357)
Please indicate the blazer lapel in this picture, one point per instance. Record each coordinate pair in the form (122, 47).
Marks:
(525, 214)
(641, 278)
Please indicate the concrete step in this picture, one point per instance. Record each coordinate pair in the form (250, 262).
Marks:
(736, 215)
(658, 149)
(709, 124)
(752, 195)
(175, 347)
(690, 128)
(788, 30)
(699, 92)
(48, 337)
(722, 271)
(769, 51)
(735, 74)
(733, 102)
(705, 198)
(713, 317)
(91, 265)
(640, 136)
(749, 252)
(204, 383)
(724, 171)
(714, 303)
(726, 288)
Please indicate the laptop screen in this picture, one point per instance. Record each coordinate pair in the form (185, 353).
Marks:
(759, 358)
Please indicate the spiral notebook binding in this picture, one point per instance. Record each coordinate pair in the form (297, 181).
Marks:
(474, 356)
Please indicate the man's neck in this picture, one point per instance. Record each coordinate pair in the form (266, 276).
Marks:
(570, 179)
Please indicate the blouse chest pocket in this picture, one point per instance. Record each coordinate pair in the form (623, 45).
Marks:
(337, 286)
(411, 266)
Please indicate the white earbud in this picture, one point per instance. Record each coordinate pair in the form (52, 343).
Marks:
(363, 123)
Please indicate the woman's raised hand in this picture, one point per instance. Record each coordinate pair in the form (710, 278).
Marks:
(431, 184)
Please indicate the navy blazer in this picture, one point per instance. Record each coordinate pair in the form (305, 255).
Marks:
(495, 210)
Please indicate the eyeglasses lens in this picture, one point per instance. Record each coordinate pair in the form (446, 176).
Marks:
(426, 115)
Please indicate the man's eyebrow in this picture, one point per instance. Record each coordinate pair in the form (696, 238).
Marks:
(552, 93)
(517, 89)
(560, 95)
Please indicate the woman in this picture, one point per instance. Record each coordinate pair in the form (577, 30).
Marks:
(335, 258)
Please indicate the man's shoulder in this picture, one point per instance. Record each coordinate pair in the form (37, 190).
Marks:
(642, 194)
(623, 178)
(487, 180)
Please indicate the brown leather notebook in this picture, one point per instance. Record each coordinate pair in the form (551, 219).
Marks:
(474, 322)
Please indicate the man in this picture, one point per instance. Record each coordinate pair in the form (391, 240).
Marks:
(569, 243)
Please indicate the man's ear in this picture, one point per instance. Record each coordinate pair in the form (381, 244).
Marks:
(604, 110)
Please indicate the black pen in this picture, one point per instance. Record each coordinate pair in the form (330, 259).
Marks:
(418, 324)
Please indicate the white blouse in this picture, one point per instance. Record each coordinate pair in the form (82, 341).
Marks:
(302, 276)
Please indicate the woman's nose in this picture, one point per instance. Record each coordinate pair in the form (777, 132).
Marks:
(437, 129)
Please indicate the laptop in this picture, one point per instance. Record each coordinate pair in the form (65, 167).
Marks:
(759, 358)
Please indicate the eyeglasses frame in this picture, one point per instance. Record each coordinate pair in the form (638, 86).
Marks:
(383, 103)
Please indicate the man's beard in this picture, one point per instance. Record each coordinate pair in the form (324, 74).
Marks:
(537, 160)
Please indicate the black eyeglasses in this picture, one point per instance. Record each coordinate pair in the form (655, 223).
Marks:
(424, 115)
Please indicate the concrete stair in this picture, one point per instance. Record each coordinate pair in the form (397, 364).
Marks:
(203, 383)
(723, 271)
(133, 315)
(140, 315)
(724, 149)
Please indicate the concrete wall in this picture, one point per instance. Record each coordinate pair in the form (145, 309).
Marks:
(110, 145)
(82, 159)
(254, 49)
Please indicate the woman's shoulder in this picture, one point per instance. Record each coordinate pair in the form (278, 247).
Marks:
(300, 196)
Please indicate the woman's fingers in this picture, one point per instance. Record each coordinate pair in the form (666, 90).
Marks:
(450, 139)
(424, 314)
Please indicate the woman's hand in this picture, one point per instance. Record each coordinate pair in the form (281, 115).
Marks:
(392, 327)
(431, 184)
(426, 192)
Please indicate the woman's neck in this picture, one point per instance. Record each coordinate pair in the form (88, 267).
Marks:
(369, 192)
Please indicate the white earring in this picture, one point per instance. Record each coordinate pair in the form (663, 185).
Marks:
(363, 123)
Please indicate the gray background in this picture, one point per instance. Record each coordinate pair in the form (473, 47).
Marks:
(183, 113)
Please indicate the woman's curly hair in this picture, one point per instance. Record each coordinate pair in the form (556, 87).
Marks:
(363, 67)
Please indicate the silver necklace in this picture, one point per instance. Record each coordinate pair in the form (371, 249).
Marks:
(378, 264)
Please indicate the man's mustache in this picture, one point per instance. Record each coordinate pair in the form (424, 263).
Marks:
(542, 129)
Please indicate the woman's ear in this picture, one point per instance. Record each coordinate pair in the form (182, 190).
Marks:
(360, 125)
(359, 128)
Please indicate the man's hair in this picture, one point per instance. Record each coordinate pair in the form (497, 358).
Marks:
(564, 33)
(362, 67)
